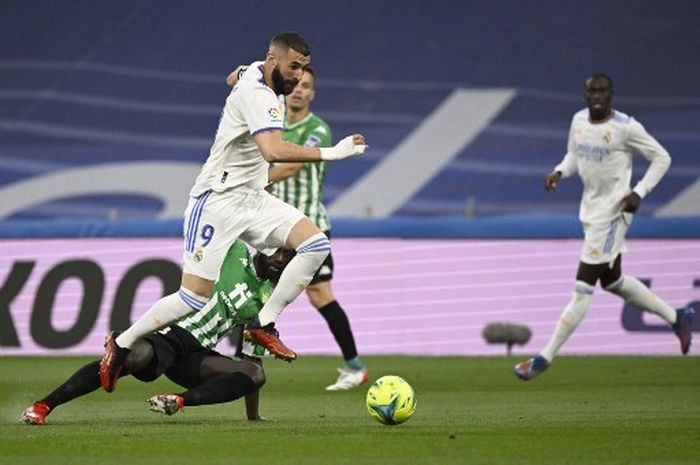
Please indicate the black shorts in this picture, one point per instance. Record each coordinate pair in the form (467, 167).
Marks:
(325, 272)
(178, 355)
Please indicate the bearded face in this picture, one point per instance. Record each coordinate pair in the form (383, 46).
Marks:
(281, 85)
(272, 267)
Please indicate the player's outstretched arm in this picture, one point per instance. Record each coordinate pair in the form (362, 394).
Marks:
(252, 400)
(283, 171)
(347, 147)
(276, 150)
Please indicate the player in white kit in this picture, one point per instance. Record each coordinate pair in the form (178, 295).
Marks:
(228, 201)
(601, 144)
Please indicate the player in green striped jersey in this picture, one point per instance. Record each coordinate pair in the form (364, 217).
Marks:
(301, 185)
(184, 351)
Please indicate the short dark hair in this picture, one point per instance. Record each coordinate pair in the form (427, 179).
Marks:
(291, 40)
(601, 76)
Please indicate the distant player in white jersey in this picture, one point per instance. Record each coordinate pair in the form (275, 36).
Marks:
(228, 201)
(601, 144)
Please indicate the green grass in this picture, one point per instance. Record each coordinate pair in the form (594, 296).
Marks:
(584, 410)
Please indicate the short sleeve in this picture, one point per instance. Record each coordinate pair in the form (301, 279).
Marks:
(262, 111)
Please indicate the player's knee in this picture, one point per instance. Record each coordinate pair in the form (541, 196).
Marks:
(319, 295)
(139, 359)
(197, 287)
(318, 244)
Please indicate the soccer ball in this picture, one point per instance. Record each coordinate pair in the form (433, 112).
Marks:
(391, 400)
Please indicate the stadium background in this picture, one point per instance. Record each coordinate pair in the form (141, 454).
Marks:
(107, 111)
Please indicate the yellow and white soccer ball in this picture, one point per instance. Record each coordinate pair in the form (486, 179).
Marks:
(391, 400)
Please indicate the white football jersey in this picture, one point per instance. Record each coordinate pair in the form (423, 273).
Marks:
(601, 153)
(234, 158)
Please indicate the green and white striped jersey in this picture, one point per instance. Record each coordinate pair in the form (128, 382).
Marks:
(304, 190)
(237, 297)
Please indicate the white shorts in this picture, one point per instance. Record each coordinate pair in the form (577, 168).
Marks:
(603, 242)
(214, 220)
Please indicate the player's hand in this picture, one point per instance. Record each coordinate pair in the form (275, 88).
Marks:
(630, 203)
(235, 76)
(551, 181)
(347, 147)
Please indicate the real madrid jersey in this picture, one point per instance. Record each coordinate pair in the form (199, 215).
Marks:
(601, 153)
(304, 190)
(237, 297)
(234, 159)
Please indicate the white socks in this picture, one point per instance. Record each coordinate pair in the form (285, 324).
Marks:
(628, 287)
(570, 318)
(165, 311)
(635, 292)
(296, 276)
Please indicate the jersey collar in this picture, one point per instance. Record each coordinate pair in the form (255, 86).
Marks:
(605, 120)
(304, 120)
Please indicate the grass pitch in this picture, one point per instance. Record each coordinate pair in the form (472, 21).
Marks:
(584, 410)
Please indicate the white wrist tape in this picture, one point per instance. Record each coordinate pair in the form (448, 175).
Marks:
(343, 149)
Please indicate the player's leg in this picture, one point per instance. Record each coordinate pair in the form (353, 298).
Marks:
(208, 233)
(312, 247)
(82, 382)
(163, 312)
(636, 293)
(189, 298)
(281, 225)
(320, 294)
(570, 318)
(575, 310)
(211, 379)
(603, 243)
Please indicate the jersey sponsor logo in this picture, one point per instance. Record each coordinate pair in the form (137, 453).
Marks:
(275, 114)
(592, 153)
(312, 141)
(227, 302)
